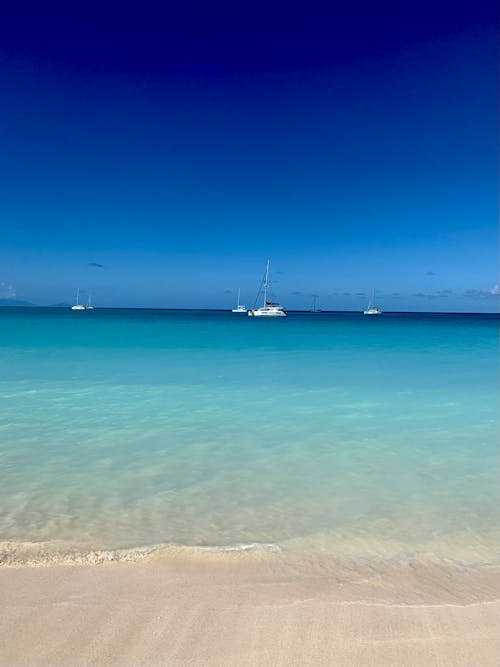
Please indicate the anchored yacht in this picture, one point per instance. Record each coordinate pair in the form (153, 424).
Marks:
(372, 308)
(239, 308)
(269, 308)
(78, 305)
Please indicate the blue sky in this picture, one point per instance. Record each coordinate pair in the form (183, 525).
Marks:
(179, 148)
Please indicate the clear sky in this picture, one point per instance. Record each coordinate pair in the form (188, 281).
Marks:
(158, 157)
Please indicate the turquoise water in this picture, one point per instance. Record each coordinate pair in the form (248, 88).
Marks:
(326, 433)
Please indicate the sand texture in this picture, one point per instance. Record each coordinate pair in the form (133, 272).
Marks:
(232, 611)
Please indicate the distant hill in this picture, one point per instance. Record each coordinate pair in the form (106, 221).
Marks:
(59, 305)
(15, 302)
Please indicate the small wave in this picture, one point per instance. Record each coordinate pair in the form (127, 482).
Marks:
(33, 554)
(252, 546)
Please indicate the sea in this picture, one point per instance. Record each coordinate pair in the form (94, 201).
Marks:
(332, 435)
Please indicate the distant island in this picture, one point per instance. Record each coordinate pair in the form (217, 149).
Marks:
(6, 303)
(15, 302)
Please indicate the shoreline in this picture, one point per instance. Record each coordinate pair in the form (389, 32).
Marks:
(419, 578)
(233, 608)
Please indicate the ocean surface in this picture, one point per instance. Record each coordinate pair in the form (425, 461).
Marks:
(333, 434)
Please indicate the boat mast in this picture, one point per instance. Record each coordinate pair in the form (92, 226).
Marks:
(238, 304)
(266, 284)
(77, 296)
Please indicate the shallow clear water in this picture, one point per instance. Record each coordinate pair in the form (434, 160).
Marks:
(331, 433)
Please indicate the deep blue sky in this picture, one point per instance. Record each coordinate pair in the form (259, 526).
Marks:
(355, 144)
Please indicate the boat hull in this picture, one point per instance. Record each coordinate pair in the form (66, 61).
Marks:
(267, 313)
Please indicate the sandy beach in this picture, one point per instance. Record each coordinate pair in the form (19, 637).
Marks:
(235, 609)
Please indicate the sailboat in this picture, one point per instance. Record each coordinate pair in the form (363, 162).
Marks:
(314, 305)
(89, 305)
(78, 305)
(372, 308)
(268, 309)
(239, 308)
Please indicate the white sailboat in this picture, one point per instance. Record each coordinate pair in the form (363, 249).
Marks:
(89, 305)
(78, 305)
(239, 308)
(372, 308)
(268, 309)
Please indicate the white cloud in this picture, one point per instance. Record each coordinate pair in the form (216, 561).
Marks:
(7, 291)
(494, 291)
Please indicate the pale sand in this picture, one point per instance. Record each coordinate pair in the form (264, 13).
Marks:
(238, 611)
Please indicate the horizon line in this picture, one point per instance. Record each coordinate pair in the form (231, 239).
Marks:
(228, 310)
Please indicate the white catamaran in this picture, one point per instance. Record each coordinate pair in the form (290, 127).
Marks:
(89, 305)
(78, 305)
(239, 308)
(372, 308)
(268, 309)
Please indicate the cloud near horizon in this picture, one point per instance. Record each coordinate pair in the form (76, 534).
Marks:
(7, 291)
(482, 293)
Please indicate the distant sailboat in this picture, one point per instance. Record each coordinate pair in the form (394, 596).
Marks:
(268, 309)
(89, 305)
(314, 306)
(78, 305)
(239, 308)
(372, 308)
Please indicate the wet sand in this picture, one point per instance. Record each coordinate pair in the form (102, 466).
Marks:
(238, 610)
